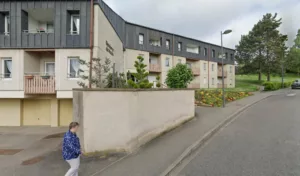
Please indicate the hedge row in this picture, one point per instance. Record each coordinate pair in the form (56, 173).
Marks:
(270, 86)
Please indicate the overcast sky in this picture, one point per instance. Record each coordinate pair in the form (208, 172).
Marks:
(204, 19)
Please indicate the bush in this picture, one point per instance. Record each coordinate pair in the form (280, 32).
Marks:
(271, 86)
(179, 76)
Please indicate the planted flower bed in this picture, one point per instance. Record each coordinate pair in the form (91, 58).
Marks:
(213, 98)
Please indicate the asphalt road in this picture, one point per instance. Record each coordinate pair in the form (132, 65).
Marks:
(263, 141)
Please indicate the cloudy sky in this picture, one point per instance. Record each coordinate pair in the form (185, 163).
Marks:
(204, 19)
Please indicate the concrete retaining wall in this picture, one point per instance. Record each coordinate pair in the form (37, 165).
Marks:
(122, 120)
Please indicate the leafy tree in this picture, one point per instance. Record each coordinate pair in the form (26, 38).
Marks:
(141, 76)
(99, 69)
(115, 80)
(293, 56)
(263, 48)
(158, 81)
(179, 76)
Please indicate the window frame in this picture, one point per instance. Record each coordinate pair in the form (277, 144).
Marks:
(69, 66)
(204, 66)
(230, 69)
(141, 42)
(167, 61)
(205, 52)
(212, 67)
(168, 42)
(213, 53)
(212, 81)
(71, 23)
(3, 68)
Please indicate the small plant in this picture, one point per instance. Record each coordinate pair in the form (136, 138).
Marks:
(115, 80)
(158, 85)
(141, 76)
(179, 76)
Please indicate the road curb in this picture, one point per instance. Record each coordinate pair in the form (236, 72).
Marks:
(199, 143)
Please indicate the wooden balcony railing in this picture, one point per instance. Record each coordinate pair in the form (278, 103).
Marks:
(154, 68)
(220, 86)
(36, 84)
(196, 71)
(220, 73)
(194, 86)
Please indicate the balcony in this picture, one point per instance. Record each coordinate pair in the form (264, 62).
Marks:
(36, 84)
(196, 71)
(194, 86)
(220, 86)
(154, 68)
(220, 73)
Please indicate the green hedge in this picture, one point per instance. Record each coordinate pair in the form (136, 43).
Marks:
(271, 86)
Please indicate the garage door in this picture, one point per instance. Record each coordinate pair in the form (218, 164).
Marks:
(65, 112)
(36, 112)
(10, 112)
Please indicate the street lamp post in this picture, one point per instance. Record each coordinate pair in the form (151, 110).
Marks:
(222, 54)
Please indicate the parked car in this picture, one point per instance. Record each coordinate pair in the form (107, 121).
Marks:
(296, 84)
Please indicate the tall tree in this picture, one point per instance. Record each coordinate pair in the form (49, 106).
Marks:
(293, 56)
(261, 50)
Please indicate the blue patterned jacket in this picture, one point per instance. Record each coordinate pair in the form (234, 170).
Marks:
(71, 146)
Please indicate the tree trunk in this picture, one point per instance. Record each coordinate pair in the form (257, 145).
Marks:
(259, 71)
(268, 76)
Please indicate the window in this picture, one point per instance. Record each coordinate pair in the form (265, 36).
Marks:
(231, 56)
(213, 53)
(7, 68)
(230, 82)
(141, 39)
(204, 80)
(7, 24)
(204, 66)
(230, 69)
(199, 49)
(212, 81)
(168, 44)
(167, 62)
(226, 55)
(73, 67)
(212, 67)
(179, 61)
(49, 68)
(205, 51)
(179, 46)
(74, 22)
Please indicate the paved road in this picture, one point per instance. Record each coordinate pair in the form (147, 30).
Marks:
(263, 141)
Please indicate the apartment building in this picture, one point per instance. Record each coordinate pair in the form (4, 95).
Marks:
(42, 41)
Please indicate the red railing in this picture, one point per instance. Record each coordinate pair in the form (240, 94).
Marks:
(154, 68)
(35, 84)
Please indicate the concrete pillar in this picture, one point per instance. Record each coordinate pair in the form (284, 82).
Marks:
(54, 112)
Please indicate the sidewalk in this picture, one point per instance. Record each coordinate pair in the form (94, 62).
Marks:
(151, 159)
(156, 157)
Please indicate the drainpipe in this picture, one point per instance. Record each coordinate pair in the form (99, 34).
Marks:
(91, 42)
(208, 65)
(173, 41)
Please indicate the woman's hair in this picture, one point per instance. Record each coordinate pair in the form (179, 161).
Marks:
(73, 124)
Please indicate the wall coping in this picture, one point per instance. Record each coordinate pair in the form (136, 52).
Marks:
(129, 90)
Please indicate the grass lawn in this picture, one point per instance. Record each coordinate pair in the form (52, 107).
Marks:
(249, 83)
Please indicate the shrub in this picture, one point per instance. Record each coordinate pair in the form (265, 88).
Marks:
(179, 76)
(271, 86)
(141, 76)
(158, 81)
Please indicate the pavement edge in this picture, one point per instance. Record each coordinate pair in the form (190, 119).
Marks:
(199, 143)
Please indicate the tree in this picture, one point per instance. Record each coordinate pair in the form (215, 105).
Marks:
(262, 49)
(293, 56)
(179, 76)
(99, 69)
(116, 80)
(141, 76)
(158, 81)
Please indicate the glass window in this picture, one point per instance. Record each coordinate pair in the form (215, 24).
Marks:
(7, 24)
(179, 46)
(7, 67)
(226, 55)
(168, 44)
(230, 69)
(205, 51)
(141, 39)
(49, 68)
(213, 54)
(75, 24)
(167, 62)
(212, 67)
(204, 80)
(204, 66)
(212, 81)
(231, 56)
(73, 67)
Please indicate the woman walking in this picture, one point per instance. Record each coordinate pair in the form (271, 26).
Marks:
(71, 150)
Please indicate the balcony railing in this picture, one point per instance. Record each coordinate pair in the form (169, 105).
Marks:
(220, 86)
(154, 68)
(36, 84)
(220, 73)
(196, 71)
(194, 86)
